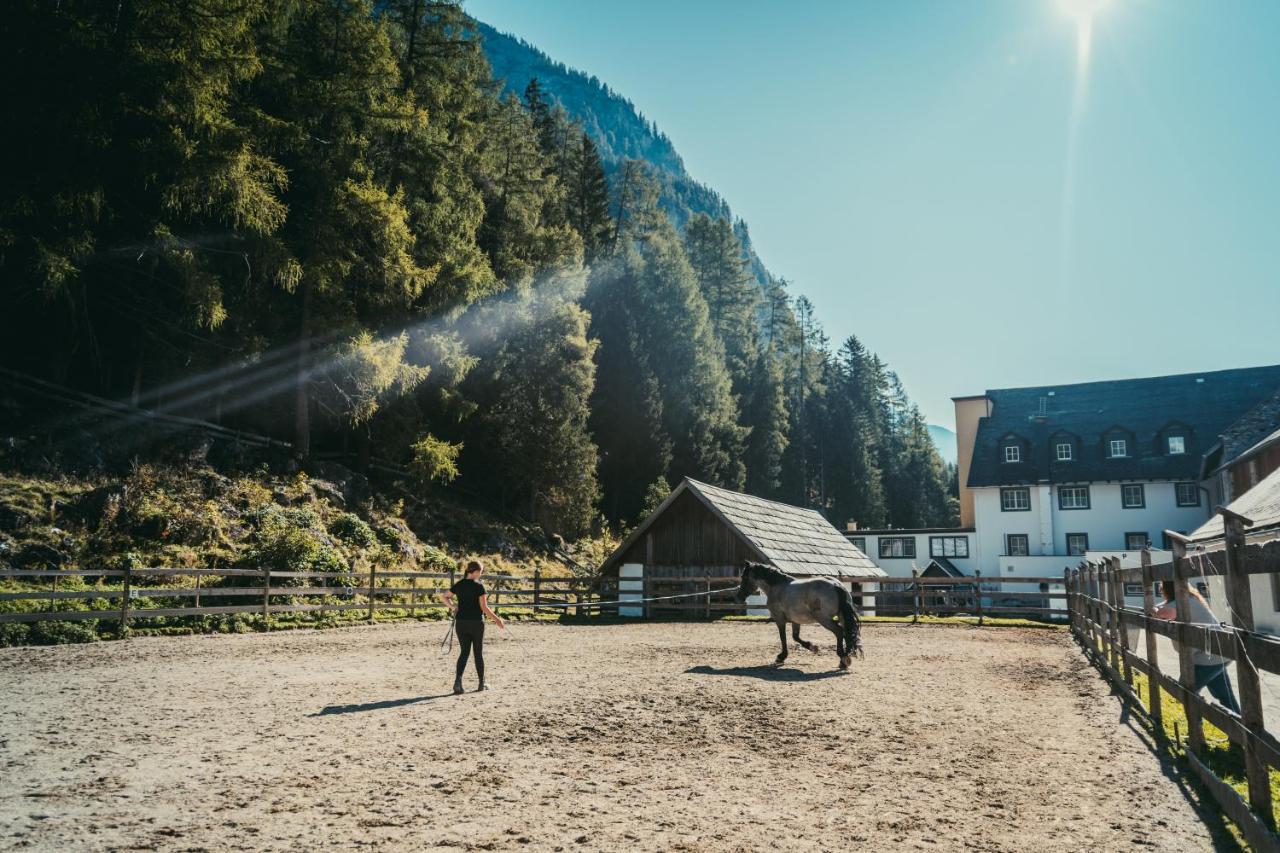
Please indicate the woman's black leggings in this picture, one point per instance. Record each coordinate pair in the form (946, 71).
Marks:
(470, 634)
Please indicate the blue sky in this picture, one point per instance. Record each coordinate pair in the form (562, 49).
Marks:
(905, 165)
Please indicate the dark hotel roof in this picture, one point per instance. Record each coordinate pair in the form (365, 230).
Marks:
(1200, 405)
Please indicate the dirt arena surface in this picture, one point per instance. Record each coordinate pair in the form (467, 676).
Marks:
(646, 736)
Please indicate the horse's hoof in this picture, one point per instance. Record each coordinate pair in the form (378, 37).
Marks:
(845, 661)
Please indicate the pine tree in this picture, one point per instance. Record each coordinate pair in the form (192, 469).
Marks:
(729, 289)
(588, 197)
(535, 391)
(765, 413)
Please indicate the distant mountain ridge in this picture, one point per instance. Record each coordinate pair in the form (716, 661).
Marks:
(945, 440)
(619, 130)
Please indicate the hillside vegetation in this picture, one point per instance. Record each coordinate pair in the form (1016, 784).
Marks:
(323, 222)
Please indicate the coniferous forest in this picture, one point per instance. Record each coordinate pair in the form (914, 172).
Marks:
(325, 221)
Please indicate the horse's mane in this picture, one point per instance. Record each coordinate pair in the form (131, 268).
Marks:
(768, 574)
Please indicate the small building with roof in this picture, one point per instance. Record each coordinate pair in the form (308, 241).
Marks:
(705, 532)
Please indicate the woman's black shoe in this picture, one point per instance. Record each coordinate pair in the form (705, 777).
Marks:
(457, 687)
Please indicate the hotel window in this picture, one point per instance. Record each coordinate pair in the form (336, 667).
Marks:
(1017, 545)
(1133, 496)
(1188, 494)
(859, 542)
(1177, 445)
(1135, 542)
(1117, 448)
(1064, 451)
(1015, 500)
(1073, 497)
(948, 546)
(1012, 453)
(1077, 544)
(897, 546)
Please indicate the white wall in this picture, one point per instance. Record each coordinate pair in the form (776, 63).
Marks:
(902, 566)
(1106, 521)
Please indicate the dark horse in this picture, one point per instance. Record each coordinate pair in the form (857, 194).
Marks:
(805, 602)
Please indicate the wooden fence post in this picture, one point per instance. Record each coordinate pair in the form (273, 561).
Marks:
(266, 598)
(497, 589)
(977, 594)
(537, 587)
(1240, 600)
(373, 579)
(413, 597)
(915, 597)
(1097, 642)
(1117, 598)
(1066, 588)
(1104, 610)
(1153, 658)
(1186, 661)
(124, 602)
(1113, 634)
(707, 599)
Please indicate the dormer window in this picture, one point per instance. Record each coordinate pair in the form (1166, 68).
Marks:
(1117, 448)
(1176, 445)
(1063, 451)
(1012, 453)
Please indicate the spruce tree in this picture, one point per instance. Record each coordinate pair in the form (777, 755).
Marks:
(588, 197)
(729, 289)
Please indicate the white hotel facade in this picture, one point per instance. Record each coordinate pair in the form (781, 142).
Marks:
(1050, 474)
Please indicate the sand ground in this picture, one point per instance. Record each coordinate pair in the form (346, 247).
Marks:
(644, 736)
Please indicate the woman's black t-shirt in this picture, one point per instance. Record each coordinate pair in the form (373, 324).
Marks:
(468, 593)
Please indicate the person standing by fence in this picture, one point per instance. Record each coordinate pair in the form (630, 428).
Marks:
(1211, 670)
(468, 603)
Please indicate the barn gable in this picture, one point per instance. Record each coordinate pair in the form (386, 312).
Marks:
(703, 525)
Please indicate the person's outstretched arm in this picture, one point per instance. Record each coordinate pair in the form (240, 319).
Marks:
(484, 607)
(449, 601)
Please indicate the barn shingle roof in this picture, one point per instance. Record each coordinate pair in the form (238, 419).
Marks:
(1201, 405)
(795, 540)
(1261, 505)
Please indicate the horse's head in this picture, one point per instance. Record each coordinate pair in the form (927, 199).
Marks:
(750, 581)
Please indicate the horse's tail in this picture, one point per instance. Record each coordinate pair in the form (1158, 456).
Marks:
(849, 622)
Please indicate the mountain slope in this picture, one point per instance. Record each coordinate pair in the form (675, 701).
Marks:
(618, 129)
(945, 440)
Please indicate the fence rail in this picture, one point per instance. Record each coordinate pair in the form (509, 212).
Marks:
(274, 592)
(127, 598)
(1099, 619)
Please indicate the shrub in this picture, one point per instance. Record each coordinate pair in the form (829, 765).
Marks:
(353, 530)
(291, 541)
(58, 633)
(435, 460)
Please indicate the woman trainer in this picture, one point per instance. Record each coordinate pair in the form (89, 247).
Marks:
(468, 604)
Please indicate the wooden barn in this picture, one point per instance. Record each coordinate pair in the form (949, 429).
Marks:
(702, 532)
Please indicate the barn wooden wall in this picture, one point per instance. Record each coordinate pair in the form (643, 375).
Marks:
(688, 536)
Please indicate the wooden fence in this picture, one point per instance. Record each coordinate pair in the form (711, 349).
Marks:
(126, 595)
(265, 593)
(888, 596)
(1099, 616)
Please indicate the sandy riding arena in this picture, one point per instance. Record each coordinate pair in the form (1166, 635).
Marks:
(647, 736)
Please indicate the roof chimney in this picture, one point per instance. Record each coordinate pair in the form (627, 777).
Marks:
(850, 525)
